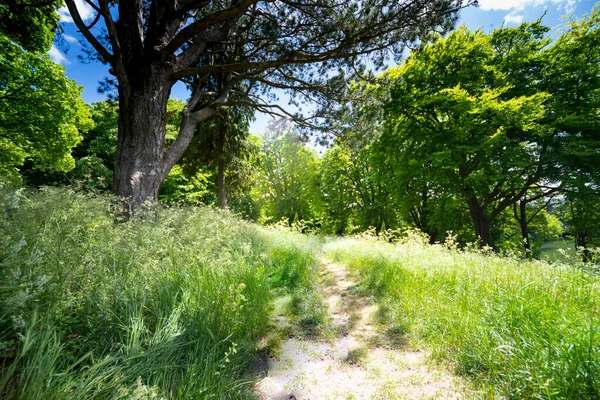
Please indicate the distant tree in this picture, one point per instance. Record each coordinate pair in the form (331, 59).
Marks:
(352, 190)
(41, 112)
(581, 214)
(288, 177)
(306, 48)
(221, 143)
(454, 110)
(95, 155)
(418, 197)
(523, 228)
(339, 192)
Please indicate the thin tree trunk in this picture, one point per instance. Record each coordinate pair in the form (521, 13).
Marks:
(521, 217)
(378, 227)
(524, 228)
(222, 166)
(432, 235)
(340, 229)
(586, 255)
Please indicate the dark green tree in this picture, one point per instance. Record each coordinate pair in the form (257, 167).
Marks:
(30, 23)
(582, 217)
(572, 76)
(222, 144)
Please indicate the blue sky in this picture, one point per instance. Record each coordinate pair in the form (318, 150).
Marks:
(489, 15)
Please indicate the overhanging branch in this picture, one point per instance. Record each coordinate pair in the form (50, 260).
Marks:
(85, 31)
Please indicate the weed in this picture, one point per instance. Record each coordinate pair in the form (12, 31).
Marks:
(357, 355)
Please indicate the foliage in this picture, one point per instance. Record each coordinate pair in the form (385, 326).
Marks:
(231, 55)
(41, 113)
(581, 213)
(353, 193)
(288, 184)
(572, 75)
(223, 144)
(453, 111)
(29, 23)
(521, 329)
(339, 196)
(95, 155)
(179, 188)
(168, 308)
(542, 226)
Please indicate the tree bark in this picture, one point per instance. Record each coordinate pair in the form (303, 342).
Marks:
(523, 223)
(482, 224)
(140, 166)
(586, 254)
(143, 161)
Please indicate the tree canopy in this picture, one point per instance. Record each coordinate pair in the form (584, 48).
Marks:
(230, 53)
(41, 111)
(30, 23)
(454, 112)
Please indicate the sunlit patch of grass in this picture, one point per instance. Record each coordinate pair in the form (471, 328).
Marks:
(527, 329)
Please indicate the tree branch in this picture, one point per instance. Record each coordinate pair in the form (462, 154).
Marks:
(110, 26)
(104, 53)
(208, 21)
(190, 120)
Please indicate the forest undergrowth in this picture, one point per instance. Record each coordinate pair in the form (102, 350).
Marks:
(170, 307)
(175, 306)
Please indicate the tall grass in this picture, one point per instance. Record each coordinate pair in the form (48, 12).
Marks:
(522, 329)
(168, 308)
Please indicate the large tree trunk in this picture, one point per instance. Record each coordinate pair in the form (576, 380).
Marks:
(141, 163)
(142, 160)
(221, 167)
(482, 224)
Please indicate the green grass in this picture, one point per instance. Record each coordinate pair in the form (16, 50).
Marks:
(168, 309)
(559, 250)
(175, 307)
(519, 329)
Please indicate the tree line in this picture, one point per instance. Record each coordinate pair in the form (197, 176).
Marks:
(490, 136)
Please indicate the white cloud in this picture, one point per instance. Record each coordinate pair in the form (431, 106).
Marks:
(57, 56)
(519, 5)
(85, 10)
(513, 18)
(70, 39)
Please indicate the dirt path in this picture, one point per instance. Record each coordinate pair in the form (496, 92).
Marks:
(351, 364)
